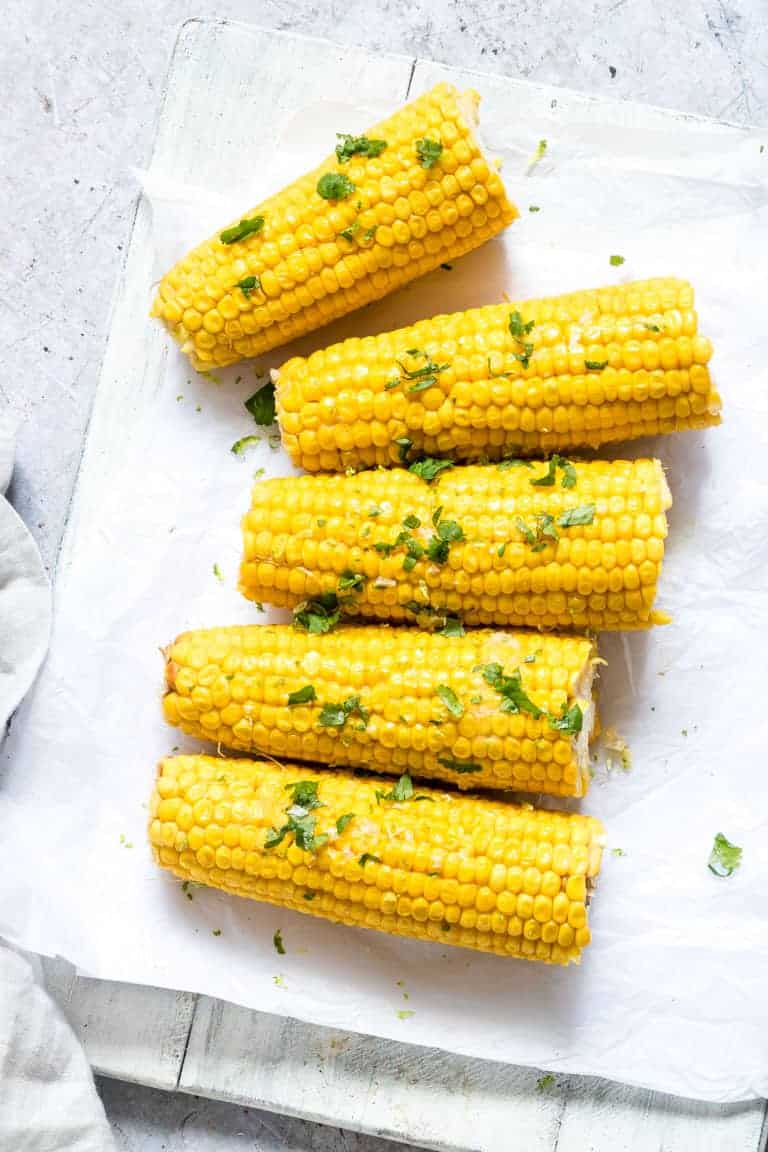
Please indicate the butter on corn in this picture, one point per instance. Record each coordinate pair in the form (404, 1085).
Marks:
(395, 700)
(360, 225)
(565, 545)
(537, 376)
(436, 866)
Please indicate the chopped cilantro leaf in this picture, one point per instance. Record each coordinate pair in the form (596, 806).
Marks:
(216, 932)
(262, 404)
(350, 146)
(218, 574)
(350, 583)
(405, 1013)
(336, 715)
(725, 857)
(618, 852)
(568, 479)
(515, 699)
(404, 446)
(335, 186)
(438, 548)
(429, 468)
(343, 821)
(570, 720)
(248, 285)
(428, 151)
(411, 521)
(460, 766)
(513, 462)
(538, 155)
(452, 627)
(243, 443)
(584, 514)
(545, 1082)
(310, 895)
(402, 790)
(277, 940)
(534, 208)
(450, 699)
(616, 261)
(595, 365)
(368, 858)
(305, 695)
(517, 327)
(318, 615)
(241, 230)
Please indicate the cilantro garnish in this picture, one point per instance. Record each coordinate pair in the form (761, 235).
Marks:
(277, 940)
(450, 699)
(350, 583)
(428, 151)
(452, 627)
(218, 573)
(538, 155)
(343, 821)
(595, 365)
(725, 857)
(318, 615)
(262, 404)
(584, 514)
(300, 820)
(448, 532)
(429, 468)
(518, 331)
(460, 766)
(424, 377)
(545, 1082)
(616, 261)
(335, 186)
(248, 285)
(368, 858)
(513, 462)
(515, 699)
(350, 146)
(567, 480)
(336, 715)
(241, 230)
(305, 695)
(402, 790)
(244, 442)
(404, 446)
(570, 720)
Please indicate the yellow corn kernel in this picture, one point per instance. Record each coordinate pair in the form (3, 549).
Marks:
(518, 561)
(310, 259)
(386, 867)
(594, 367)
(424, 706)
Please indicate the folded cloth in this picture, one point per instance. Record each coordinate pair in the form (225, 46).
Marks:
(48, 1102)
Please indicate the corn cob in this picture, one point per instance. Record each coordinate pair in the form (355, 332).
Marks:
(394, 700)
(363, 223)
(461, 870)
(491, 545)
(538, 376)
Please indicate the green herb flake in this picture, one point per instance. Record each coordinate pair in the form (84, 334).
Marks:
(447, 267)
(278, 981)
(405, 1013)
(453, 627)
(616, 261)
(402, 790)
(350, 583)
(248, 285)
(534, 208)
(277, 940)
(570, 720)
(368, 858)
(305, 695)
(245, 442)
(343, 821)
(404, 446)
(450, 699)
(335, 186)
(310, 895)
(336, 715)
(411, 521)
(573, 517)
(545, 1082)
(724, 858)
(262, 404)
(517, 327)
(429, 468)
(319, 615)
(618, 852)
(652, 327)
(595, 365)
(239, 231)
(461, 766)
(374, 511)
(515, 699)
(538, 156)
(513, 462)
(428, 152)
(350, 146)
(125, 843)
(448, 533)
(567, 480)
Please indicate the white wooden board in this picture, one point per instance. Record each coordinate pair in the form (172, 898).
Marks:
(166, 1038)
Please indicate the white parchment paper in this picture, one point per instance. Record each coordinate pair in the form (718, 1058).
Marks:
(672, 992)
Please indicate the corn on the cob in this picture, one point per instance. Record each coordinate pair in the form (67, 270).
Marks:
(491, 545)
(363, 223)
(457, 869)
(538, 376)
(509, 710)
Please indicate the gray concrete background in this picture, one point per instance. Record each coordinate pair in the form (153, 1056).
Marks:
(80, 87)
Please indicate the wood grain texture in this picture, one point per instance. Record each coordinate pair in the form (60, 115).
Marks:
(408, 1094)
(128, 1031)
